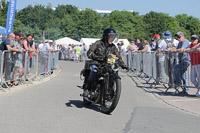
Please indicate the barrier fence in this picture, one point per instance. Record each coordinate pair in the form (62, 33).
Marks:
(165, 68)
(26, 66)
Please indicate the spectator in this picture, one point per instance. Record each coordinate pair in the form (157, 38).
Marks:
(40, 45)
(180, 69)
(132, 47)
(83, 52)
(195, 62)
(44, 52)
(18, 59)
(7, 45)
(29, 45)
(69, 52)
(78, 52)
(54, 47)
(63, 51)
(123, 51)
(157, 40)
(165, 62)
(73, 52)
(139, 44)
(146, 47)
(153, 45)
(119, 47)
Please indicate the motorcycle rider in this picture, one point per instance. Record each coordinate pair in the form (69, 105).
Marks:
(99, 52)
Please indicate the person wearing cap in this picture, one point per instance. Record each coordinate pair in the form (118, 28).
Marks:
(43, 56)
(153, 45)
(195, 62)
(180, 69)
(157, 40)
(166, 62)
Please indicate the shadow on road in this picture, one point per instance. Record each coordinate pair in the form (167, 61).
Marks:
(80, 104)
(157, 90)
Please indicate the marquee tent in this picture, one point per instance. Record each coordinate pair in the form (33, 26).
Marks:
(2, 30)
(66, 41)
(89, 41)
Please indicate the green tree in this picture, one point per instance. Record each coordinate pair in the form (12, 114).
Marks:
(68, 26)
(3, 13)
(36, 16)
(156, 23)
(122, 21)
(89, 24)
(61, 10)
(190, 23)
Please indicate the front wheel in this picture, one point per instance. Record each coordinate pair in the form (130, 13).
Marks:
(109, 102)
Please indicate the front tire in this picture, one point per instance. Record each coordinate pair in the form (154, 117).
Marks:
(107, 109)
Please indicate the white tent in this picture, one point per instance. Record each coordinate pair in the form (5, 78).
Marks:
(88, 41)
(66, 41)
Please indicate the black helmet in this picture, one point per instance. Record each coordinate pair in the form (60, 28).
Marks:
(110, 33)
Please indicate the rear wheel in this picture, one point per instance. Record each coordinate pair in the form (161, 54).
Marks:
(109, 102)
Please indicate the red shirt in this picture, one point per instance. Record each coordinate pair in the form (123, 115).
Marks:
(195, 56)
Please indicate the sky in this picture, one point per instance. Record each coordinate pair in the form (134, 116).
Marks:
(171, 7)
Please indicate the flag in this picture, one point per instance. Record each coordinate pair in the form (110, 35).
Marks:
(1, 6)
(10, 16)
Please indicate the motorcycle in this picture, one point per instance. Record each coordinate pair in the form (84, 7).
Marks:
(106, 89)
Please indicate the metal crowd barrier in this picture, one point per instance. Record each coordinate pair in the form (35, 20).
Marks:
(161, 67)
(25, 66)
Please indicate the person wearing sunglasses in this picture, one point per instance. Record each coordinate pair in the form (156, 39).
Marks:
(180, 69)
(195, 62)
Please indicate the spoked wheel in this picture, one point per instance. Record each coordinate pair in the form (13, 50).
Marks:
(109, 102)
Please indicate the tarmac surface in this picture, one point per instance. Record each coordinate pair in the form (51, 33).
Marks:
(189, 103)
(53, 105)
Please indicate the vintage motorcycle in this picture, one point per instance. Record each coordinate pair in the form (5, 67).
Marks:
(106, 89)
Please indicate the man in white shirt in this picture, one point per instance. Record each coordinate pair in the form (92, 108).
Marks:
(164, 65)
(44, 54)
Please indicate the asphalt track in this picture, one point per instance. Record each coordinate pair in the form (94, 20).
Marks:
(55, 106)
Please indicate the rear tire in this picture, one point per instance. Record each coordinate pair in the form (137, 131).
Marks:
(117, 92)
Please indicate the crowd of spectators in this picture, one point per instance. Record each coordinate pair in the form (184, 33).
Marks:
(77, 53)
(17, 44)
(177, 53)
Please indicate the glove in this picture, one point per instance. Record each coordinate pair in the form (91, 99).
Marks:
(125, 67)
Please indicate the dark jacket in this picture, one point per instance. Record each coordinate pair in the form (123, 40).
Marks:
(99, 50)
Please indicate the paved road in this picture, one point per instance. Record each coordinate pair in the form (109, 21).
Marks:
(56, 107)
